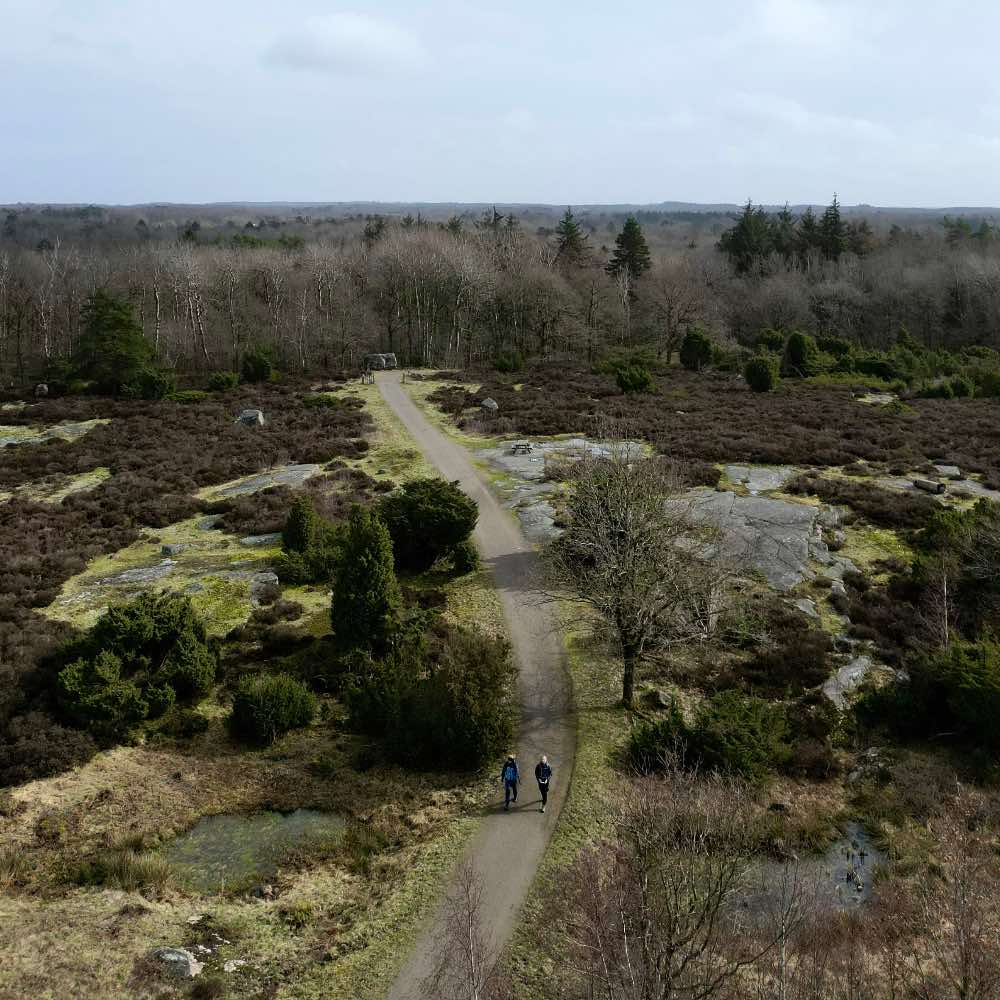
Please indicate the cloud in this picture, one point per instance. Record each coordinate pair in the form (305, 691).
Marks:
(347, 44)
(807, 22)
(794, 117)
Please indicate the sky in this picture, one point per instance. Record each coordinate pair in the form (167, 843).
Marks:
(885, 102)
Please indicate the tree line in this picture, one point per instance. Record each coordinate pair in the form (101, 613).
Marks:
(459, 294)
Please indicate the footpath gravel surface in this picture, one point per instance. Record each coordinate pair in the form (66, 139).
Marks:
(508, 847)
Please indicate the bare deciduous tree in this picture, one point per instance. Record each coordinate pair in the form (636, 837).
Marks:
(634, 553)
(657, 914)
(467, 965)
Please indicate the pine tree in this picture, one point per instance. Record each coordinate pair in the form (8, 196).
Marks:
(112, 351)
(750, 239)
(572, 243)
(631, 251)
(832, 234)
(783, 232)
(366, 596)
(809, 236)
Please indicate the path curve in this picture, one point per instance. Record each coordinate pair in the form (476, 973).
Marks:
(508, 847)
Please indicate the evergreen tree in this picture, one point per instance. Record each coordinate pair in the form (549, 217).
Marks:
(832, 233)
(299, 533)
(809, 237)
(631, 251)
(750, 239)
(366, 596)
(112, 351)
(572, 243)
(783, 232)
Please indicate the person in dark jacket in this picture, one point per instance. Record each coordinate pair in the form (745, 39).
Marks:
(509, 777)
(543, 775)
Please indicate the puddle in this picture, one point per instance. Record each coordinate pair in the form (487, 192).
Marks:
(220, 852)
(842, 878)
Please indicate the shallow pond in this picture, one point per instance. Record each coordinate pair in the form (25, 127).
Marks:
(842, 878)
(224, 851)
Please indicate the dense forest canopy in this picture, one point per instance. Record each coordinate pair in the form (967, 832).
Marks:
(447, 285)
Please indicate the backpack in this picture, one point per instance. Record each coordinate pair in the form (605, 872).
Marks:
(509, 773)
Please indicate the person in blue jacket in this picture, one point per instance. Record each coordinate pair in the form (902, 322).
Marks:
(543, 774)
(509, 777)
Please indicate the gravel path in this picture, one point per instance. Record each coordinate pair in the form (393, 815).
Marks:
(508, 847)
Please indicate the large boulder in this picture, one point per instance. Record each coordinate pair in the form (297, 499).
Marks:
(251, 418)
(178, 962)
(489, 406)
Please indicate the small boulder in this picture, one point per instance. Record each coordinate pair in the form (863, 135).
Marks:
(257, 541)
(489, 406)
(173, 549)
(251, 418)
(41, 390)
(178, 962)
(233, 964)
(262, 892)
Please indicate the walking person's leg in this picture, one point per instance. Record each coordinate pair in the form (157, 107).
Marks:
(506, 795)
(543, 790)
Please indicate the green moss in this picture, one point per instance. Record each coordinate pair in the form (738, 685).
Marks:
(866, 545)
(200, 569)
(56, 489)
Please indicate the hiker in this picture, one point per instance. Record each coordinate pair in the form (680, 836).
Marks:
(542, 775)
(509, 777)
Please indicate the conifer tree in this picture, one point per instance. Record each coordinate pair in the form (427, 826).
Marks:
(631, 251)
(299, 533)
(832, 235)
(750, 239)
(572, 243)
(809, 237)
(366, 596)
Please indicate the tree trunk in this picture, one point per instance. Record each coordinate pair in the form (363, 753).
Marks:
(628, 677)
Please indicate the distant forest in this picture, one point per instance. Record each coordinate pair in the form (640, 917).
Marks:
(320, 286)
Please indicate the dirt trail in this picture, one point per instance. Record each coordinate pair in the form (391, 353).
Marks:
(508, 847)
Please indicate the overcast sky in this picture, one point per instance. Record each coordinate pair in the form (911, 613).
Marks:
(889, 102)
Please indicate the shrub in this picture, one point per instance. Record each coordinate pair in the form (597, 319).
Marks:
(427, 518)
(652, 745)
(265, 708)
(462, 714)
(299, 534)
(802, 357)
(451, 706)
(223, 381)
(36, 747)
(366, 596)
(634, 378)
(258, 364)
(149, 383)
(730, 732)
(310, 545)
(761, 373)
(696, 350)
(465, 557)
(962, 387)
(95, 696)
(188, 396)
(746, 735)
(509, 361)
(770, 341)
(134, 663)
(189, 667)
